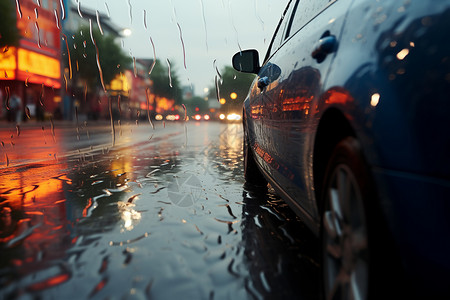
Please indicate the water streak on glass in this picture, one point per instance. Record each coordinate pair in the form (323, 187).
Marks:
(182, 44)
(185, 112)
(134, 67)
(27, 112)
(131, 13)
(258, 16)
(216, 81)
(113, 130)
(38, 34)
(97, 56)
(41, 95)
(217, 70)
(19, 11)
(204, 23)
(147, 94)
(52, 129)
(170, 76)
(8, 94)
(98, 22)
(234, 27)
(107, 10)
(79, 9)
(145, 19)
(38, 2)
(56, 18)
(36, 13)
(118, 105)
(68, 55)
(65, 81)
(85, 91)
(63, 9)
(154, 57)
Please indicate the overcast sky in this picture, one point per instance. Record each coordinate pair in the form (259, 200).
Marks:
(211, 30)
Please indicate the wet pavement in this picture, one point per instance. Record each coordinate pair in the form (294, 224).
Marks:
(144, 213)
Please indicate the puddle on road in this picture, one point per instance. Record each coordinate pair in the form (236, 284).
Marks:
(150, 223)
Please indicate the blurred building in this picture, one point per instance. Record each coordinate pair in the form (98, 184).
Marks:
(74, 97)
(32, 70)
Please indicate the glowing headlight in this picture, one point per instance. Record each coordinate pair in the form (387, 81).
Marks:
(233, 117)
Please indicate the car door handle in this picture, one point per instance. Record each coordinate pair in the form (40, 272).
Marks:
(323, 47)
(263, 82)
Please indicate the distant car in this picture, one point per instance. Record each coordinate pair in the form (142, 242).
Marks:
(349, 121)
(230, 117)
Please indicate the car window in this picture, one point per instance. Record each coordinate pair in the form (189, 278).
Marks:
(282, 28)
(306, 11)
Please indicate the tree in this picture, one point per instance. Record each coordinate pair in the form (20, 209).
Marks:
(84, 54)
(233, 84)
(162, 82)
(9, 35)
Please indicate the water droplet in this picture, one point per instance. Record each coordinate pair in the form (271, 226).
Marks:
(402, 54)
(375, 99)
(36, 13)
(27, 112)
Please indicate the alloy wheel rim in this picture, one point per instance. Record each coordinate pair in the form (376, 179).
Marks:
(345, 255)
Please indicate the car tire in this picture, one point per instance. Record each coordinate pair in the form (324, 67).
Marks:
(347, 192)
(252, 174)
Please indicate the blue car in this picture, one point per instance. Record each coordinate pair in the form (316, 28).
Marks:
(348, 119)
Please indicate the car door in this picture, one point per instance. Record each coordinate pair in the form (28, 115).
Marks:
(290, 82)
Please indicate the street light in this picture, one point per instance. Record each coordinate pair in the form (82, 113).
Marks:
(126, 32)
(233, 96)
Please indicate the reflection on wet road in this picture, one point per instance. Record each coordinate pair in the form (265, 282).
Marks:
(163, 214)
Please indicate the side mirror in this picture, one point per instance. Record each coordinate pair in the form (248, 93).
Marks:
(247, 61)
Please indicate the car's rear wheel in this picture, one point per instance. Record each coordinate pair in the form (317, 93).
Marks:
(346, 259)
(252, 174)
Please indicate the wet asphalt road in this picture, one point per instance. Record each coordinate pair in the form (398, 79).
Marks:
(162, 214)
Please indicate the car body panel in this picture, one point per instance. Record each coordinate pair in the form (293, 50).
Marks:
(389, 79)
(280, 112)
